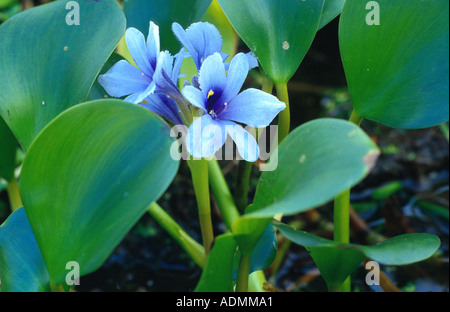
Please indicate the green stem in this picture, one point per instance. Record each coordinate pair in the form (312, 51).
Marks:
(284, 118)
(444, 129)
(242, 184)
(193, 249)
(222, 194)
(243, 274)
(342, 216)
(12, 188)
(199, 172)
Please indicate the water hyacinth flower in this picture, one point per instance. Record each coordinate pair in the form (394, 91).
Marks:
(224, 107)
(203, 40)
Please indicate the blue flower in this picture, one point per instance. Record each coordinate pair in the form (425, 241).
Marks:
(223, 107)
(203, 40)
(124, 79)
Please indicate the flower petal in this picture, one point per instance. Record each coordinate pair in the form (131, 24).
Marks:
(200, 39)
(153, 44)
(245, 142)
(165, 106)
(212, 75)
(237, 73)
(195, 97)
(138, 97)
(253, 107)
(252, 60)
(205, 137)
(123, 79)
(138, 50)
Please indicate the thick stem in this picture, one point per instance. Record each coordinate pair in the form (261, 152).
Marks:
(243, 274)
(284, 118)
(12, 188)
(193, 249)
(242, 184)
(199, 172)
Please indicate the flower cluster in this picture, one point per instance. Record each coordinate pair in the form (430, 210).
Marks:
(213, 95)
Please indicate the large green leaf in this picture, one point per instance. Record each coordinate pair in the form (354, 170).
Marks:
(97, 92)
(8, 148)
(217, 276)
(49, 65)
(336, 261)
(139, 13)
(397, 71)
(22, 267)
(278, 32)
(331, 9)
(316, 162)
(88, 178)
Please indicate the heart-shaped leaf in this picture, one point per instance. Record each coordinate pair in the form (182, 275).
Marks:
(22, 268)
(49, 64)
(316, 162)
(8, 148)
(395, 57)
(278, 32)
(139, 13)
(336, 261)
(88, 178)
(97, 92)
(331, 9)
(217, 275)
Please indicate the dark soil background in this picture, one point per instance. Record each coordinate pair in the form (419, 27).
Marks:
(414, 168)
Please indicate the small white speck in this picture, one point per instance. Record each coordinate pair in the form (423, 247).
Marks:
(286, 46)
(302, 159)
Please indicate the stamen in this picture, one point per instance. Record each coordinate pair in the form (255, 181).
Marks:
(210, 93)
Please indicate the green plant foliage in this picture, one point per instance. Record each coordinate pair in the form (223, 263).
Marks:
(88, 178)
(8, 148)
(50, 65)
(331, 9)
(217, 275)
(163, 13)
(22, 268)
(316, 162)
(336, 261)
(397, 71)
(278, 32)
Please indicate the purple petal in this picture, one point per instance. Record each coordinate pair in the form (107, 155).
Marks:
(205, 137)
(212, 75)
(253, 107)
(163, 105)
(123, 79)
(245, 142)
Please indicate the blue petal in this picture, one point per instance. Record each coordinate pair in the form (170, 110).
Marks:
(163, 73)
(153, 44)
(195, 97)
(237, 73)
(212, 75)
(253, 107)
(245, 142)
(138, 50)
(200, 39)
(123, 79)
(163, 105)
(252, 60)
(205, 137)
(138, 97)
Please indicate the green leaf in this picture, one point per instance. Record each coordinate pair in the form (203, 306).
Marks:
(331, 9)
(316, 162)
(264, 252)
(397, 71)
(217, 275)
(22, 268)
(336, 261)
(139, 13)
(278, 32)
(49, 65)
(88, 178)
(8, 148)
